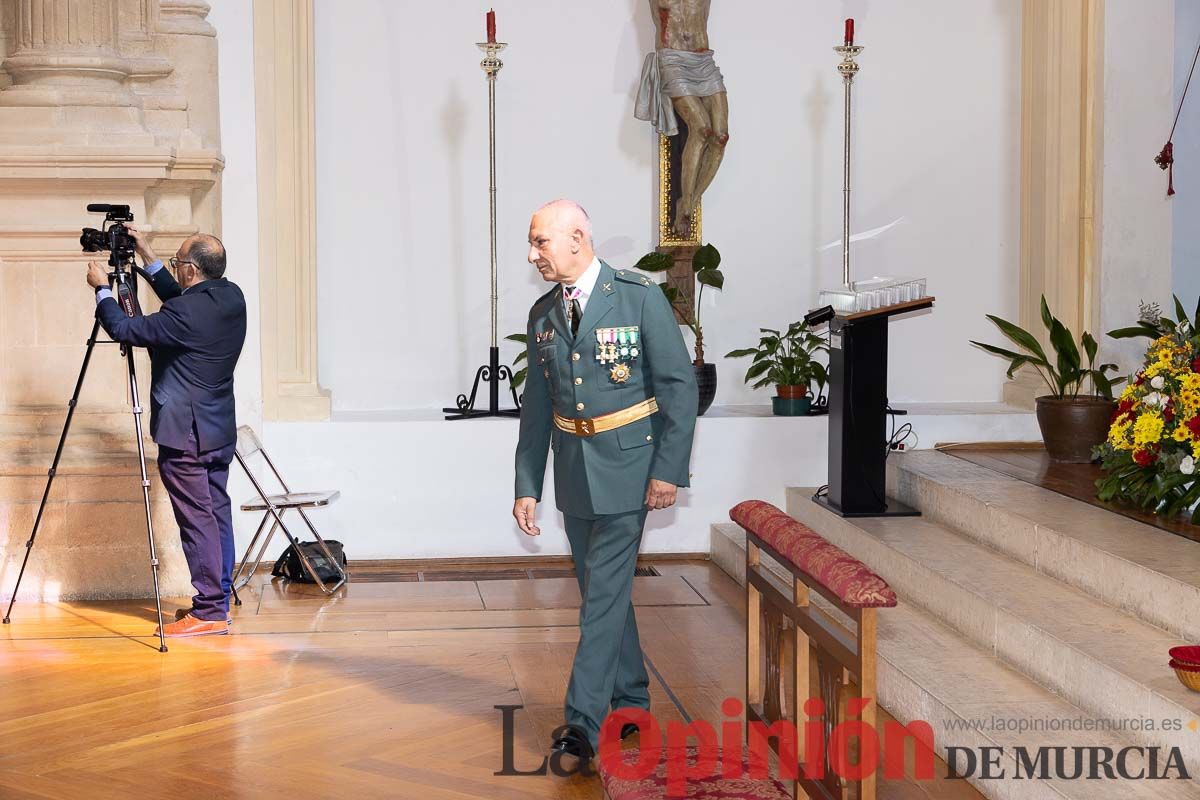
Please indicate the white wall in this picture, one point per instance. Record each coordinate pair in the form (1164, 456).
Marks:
(1135, 225)
(1185, 205)
(239, 199)
(233, 20)
(402, 245)
(402, 176)
(414, 486)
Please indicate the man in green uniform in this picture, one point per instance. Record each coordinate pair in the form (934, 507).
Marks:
(612, 392)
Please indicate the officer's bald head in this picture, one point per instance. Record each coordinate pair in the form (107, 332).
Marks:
(560, 241)
(569, 217)
(207, 253)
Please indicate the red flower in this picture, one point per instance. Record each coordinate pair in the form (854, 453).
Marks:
(1169, 412)
(1124, 405)
(1194, 426)
(1140, 379)
(1143, 458)
(1196, 364)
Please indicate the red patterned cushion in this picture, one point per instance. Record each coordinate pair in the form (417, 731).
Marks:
(654, 787)
(831, 566)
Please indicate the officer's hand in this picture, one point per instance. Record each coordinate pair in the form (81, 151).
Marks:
(141, 244)
(660, 494)
(523, 511)
(97, 276)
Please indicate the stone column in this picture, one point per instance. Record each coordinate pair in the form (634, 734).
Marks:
(1061, 113)
(1095, 220)
(65, 52)
(283, 84)
(110, 101)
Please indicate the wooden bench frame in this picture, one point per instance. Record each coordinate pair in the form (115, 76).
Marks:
(826, 661)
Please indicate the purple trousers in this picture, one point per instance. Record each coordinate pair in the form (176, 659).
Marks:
(196, 483)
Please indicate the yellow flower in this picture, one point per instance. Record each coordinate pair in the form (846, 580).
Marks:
(1182, 434)
(1196, 450)
(1118, 435)
(1148, 429)
(1189, 401)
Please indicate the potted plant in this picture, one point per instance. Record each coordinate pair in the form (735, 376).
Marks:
(1072, 424)
(1152, 456)
(705, 263)
(786, 360)
(518, 375)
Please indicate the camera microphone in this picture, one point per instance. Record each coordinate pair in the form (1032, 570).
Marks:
(108, 208)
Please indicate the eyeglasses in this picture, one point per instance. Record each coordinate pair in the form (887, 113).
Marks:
(175, 262)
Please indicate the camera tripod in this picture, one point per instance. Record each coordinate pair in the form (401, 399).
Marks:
(124, 286)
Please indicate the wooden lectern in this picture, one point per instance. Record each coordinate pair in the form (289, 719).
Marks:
(858, 413)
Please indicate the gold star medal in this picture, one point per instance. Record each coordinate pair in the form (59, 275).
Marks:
(619, 373)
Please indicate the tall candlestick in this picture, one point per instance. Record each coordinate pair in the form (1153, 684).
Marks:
(493, 372)
(491, 26)
(848, 68)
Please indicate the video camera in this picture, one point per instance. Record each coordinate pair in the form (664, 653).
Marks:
(113, 237)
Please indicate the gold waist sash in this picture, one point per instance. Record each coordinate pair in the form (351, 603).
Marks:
(606, 422)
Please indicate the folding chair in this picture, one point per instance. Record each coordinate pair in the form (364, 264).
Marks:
(274, 506)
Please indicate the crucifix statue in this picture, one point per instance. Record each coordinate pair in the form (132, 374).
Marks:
(681, 78)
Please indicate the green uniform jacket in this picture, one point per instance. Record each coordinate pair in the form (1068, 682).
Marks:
(607, 473)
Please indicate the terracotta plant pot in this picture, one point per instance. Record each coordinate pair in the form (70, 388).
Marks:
(1073, 426)
(791, 392)
(706, 382)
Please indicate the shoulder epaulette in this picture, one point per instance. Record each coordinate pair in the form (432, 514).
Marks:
(633, 277)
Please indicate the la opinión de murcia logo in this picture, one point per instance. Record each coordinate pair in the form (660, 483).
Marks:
(696, 749)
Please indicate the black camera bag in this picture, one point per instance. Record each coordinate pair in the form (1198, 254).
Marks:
(289, 566)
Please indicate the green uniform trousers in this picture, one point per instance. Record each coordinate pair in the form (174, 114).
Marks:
(609, 672)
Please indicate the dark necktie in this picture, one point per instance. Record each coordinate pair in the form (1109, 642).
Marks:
(574, 311)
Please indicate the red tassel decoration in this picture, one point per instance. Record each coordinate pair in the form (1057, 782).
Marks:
(1166, 160)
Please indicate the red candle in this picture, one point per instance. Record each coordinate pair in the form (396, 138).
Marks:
(849, 32)
(491, 26)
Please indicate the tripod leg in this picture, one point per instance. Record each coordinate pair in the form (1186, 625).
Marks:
(37, 521)
(137, 424)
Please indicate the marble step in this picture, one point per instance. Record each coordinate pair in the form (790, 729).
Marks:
(1147, 572)
(970, 698)
(1093, 655)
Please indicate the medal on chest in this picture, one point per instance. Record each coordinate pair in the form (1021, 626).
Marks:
(617, 347)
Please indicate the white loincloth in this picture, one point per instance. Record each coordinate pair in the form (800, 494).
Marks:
(674, 73)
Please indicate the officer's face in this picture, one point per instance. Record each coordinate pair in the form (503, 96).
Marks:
(551, 249)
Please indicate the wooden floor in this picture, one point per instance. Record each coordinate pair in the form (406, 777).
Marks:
(1030, 463)
(385, 691)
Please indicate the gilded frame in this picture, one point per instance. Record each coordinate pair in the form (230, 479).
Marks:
(667, 237)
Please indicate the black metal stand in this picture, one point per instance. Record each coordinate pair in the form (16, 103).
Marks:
(126, 294)
(492, 373)
(858, 416)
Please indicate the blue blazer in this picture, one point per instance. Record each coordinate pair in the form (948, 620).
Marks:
(194, 342)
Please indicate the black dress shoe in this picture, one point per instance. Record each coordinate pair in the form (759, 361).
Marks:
(573, 748)
(628, 729)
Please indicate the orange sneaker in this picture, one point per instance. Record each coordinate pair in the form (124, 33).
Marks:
(180, 613)
(191, 626)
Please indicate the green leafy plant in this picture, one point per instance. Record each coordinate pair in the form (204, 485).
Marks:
(785, 359)
(1153, 325)
(519, 374)
(1066, 375)
(705, 264)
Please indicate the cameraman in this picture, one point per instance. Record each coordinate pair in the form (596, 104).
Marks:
(194, 343)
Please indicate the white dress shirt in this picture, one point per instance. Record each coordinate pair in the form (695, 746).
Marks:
(586, 285)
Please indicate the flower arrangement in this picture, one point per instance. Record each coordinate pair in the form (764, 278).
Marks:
(1152, 455)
